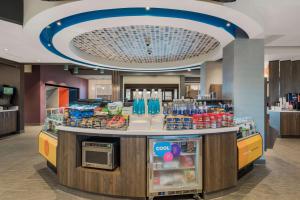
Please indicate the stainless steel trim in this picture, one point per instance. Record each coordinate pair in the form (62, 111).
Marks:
(109, 151)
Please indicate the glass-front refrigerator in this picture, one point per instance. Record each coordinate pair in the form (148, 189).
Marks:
(174, 166)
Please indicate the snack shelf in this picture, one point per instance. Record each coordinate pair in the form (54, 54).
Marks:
(158, 188)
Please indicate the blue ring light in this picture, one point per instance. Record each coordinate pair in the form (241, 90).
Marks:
(47, 34)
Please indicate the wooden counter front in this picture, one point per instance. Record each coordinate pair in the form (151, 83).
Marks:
(130, 179)
(8, 122)
(285, 123)
(220, 162)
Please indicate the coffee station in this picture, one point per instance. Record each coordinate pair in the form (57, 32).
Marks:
(8, 110)
(285, 116)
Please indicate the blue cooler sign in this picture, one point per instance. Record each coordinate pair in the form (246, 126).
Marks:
(161, 148)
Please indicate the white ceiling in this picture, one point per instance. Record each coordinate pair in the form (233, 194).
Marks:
(18, 46)
(279, 19)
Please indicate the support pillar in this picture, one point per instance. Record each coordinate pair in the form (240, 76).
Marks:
(243, 79)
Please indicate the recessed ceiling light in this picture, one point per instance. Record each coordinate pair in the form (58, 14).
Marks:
(49, 45)
(6, 49)
(58, 23)
(147, 8)
(228, 24)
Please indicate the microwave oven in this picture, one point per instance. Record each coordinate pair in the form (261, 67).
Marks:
(100, 155)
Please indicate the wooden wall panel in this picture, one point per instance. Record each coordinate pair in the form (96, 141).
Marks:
(8, 122)
(273, 81)
(116, 80)
(220, 162)
(296, 76)
(129, 180)
(286, 74)
(290, 124)
(12, 73)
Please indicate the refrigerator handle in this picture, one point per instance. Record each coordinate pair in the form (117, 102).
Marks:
(150, 171)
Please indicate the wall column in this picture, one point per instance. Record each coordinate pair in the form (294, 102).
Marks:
(243, 79)
(210, 74)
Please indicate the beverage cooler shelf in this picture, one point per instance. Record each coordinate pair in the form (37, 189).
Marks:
(173, 169)
(181, 154)
(161, 188)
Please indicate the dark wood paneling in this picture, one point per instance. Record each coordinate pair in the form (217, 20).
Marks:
(8, 122)
(273, 81)
(129, 180)
(116, 86)
(290, 124)
(296, 76)
(12, 73)
(220, 161)
(286, 74)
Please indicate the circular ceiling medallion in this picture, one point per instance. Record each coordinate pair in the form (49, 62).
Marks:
(126, 36)
(145, 44)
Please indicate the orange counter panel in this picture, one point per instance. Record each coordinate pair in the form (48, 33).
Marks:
(249, 149)
(48, 147)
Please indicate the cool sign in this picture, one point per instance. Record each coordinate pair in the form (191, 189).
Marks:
(161, 148)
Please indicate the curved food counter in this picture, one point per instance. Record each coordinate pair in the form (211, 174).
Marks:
(211, 165)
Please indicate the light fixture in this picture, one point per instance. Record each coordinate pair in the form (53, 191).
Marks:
(147, 8)
(48, 26)
(66, 67)
(189, 69)
(6, 49)
(76, 70)
(49, 45)
(58, 23)
(228, 24)
(102, 71)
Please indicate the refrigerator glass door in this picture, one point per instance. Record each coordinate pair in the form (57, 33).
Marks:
(175, 164)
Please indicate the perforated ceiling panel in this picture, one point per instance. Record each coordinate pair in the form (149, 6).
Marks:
(145, 44)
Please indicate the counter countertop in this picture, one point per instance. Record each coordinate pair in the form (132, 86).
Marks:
(11, 110)
(147, 132)
(291, 111)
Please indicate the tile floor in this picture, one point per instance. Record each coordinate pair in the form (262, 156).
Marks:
(24, 175)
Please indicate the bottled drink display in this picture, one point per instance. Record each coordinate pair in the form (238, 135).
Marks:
(190, 114)
(142, 99)
(138, 106)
